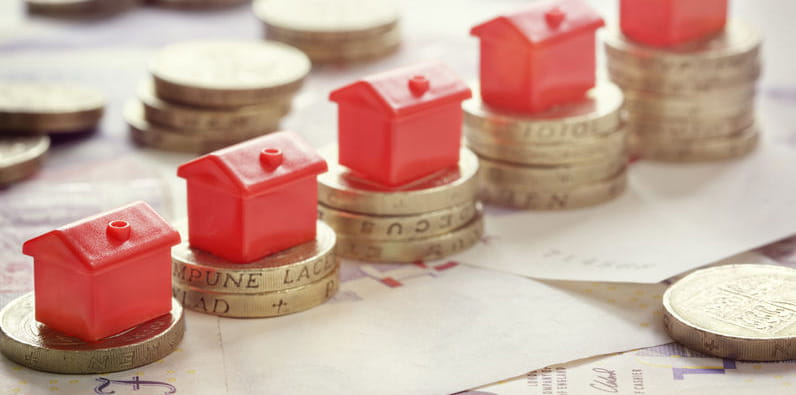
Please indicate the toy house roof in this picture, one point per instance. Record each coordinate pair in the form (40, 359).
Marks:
(545, 22)
(406, 90)
(102, 241)
(256, 166)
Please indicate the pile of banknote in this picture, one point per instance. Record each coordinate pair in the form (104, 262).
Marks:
(570, 156)
(430, 218)
(30, 112)
(293, 280)
(693, 102)
(206, 95)
(333, 31)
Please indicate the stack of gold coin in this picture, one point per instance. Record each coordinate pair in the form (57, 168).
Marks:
(693, 102)
(204, 96)
(289, 281)
(21, 156)
(45, 108)
(197, 4)
(571, 156)
(333, 31)
(78, 8)
(427, 219)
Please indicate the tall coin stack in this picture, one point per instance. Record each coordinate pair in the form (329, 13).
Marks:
(400, 187)
(204, 96)
(693, 101)
(333, 31)
(254, 246)
(548, 135)
(571, 156)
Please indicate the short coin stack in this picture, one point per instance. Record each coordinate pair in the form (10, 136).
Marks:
(207, 95)
(693, 102)
(333, 31)
(79, 8)
(428, 219)
(197, 4)
(571, 156)
(289, 281)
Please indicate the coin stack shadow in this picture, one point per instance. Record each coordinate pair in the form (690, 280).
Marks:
(427, 219)
(192, 113)
(570, 156)
(286, 282)
(333, 31)
(693, 102)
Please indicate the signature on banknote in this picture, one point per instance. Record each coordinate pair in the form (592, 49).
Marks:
(605, 380)
(136, 383)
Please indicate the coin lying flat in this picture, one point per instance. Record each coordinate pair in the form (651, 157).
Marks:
(339, 189)
(190, 4)
(346, 52)
(170, 139)
(338, 18)
(428, 248)
(550, 177)
(21, 156)
(227, 73)
(245, 119)
(31, 344)
(690, 127)
(294, 267)
(398, 227)
(70, 8)
(745, 312)
(527, 197)
(48, 108)
(717, 148)
(259, 305)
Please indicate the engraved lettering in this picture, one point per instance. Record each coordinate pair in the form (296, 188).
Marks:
(395, 225)
(217, 279)
(254, 280)
(195, 274)
(422, 226)
(229, 277)
(304, 273)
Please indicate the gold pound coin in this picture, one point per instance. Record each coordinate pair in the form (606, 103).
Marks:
(227, 73)
(48, 108)
(245, 119)
(550, 177)
(397, 227)
(197, 4)
(21, 156)
(78, 8)
(652, 83)
(349, 52)
(528, 197)
(428, 248)
(718, 148)
(333, 19)
(744, 312)
(681, 128)
(294, 267)
(259, 305)
(339, 189)
(34, 345)
(595, 116)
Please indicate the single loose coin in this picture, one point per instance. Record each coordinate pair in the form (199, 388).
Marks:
(598, 114)
(34, 345)
(550, 177)
(745, 312)
(48, 108)
(428, 248)
(169, 139)
(527, 197)
(341, 190)
(21, 156)
(245, 119)
(293, 267)
(717, 148)
(259, 305)
(397, 227)
(337, 18)
(589, 149)
(227, 73)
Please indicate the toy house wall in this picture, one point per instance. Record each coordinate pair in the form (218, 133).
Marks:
(65, 302)
(280, 219)
(505, 72)
(363, 135)
(215, 221)
(564, 71)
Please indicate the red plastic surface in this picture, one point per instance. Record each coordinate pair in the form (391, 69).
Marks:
(104, 274)
(254, 198)
(538, 58)
(667, 23)
(401, 125)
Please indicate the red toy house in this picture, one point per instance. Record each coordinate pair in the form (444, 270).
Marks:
(401, 125)
(666, 23)
(99, 276)
(254, 198)
(538, 58)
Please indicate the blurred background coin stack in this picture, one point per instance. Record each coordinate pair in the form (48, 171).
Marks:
(197, 4)
(333, 31)
(29, 112)
(400, 187)
(551, 140)
(79, 8)
(254, 245)
(689, 98)
(204, 96)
